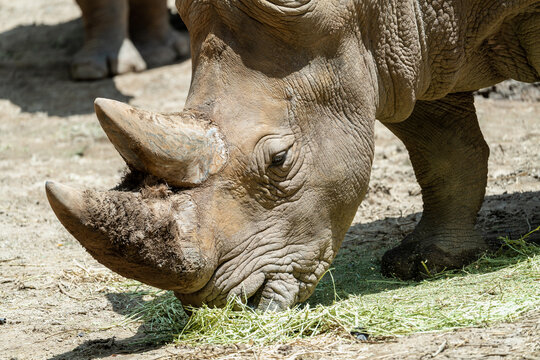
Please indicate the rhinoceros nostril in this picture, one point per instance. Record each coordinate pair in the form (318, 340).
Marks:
(254, 300)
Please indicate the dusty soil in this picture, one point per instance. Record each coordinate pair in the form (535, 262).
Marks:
(512, 90)
(60, 304)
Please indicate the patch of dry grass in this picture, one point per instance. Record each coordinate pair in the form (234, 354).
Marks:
(498, 287)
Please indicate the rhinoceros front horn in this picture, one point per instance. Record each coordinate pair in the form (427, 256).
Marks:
(150, 241)
(184, 149)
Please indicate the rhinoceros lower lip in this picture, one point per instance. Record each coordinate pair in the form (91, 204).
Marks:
(147, 238)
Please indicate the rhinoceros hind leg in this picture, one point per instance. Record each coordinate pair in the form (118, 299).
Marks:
(107, 49)
(449, 157)
(152, 34)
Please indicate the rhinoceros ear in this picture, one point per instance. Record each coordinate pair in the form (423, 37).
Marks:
(181, 148)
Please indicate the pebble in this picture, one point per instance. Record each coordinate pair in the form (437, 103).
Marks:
(360, 334)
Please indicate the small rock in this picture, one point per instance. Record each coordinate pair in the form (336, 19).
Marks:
(3, 321)
(284, 350)
(360, 334)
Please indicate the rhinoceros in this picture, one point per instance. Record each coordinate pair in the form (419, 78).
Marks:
(125, 35)
(248, 192)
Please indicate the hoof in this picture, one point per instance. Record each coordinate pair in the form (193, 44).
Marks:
(421, 259)
(95, 62)
(89, 68)
(401, 262)
(159, 52)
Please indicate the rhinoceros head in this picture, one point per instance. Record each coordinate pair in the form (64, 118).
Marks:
(249, 191)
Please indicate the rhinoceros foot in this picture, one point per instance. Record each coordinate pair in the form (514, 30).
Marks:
(97, 60)
(162, 50)
(423, 255)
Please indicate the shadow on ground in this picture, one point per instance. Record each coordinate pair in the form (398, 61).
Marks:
(34, 68)
(122, 303)
(356, 268)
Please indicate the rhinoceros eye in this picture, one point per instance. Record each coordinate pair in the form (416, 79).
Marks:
(279, 158)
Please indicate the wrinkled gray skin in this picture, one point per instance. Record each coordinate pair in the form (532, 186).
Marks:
(293, 87)
(125, 35)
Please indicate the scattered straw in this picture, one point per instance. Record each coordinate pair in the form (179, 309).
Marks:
(495, 288)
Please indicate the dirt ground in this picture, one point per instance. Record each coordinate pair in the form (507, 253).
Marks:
(60, 304)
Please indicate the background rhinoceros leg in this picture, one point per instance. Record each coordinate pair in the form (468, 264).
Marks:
(107, 49)
(449, 156)
(152, 34)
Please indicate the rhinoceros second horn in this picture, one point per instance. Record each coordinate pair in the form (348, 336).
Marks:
(180, 148)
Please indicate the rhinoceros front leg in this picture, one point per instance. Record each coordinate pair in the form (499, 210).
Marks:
(107, 49)
(152, 34)
(449, 157)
